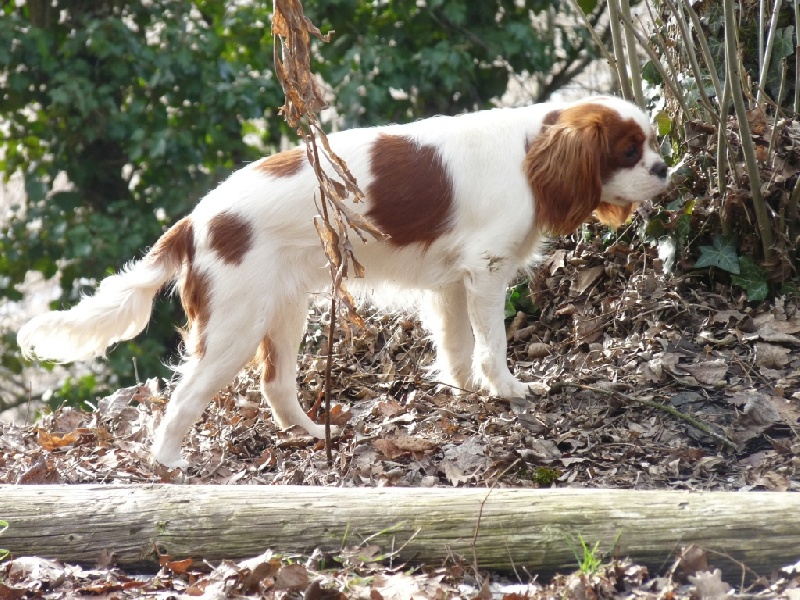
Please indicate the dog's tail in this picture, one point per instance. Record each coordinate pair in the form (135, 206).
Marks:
(119, 309)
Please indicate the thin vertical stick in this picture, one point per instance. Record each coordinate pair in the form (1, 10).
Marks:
(733, 65)
(773, 27)
(615, 15)
(722, 153)
(706, 51)
(633, 58)
(328, 375)
(797, 57)
(688, 47)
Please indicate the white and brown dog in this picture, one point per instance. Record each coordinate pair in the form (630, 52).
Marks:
(467, 201)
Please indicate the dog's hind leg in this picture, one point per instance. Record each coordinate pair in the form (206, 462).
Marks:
(278, 356)
(446, 316)
(220, 350)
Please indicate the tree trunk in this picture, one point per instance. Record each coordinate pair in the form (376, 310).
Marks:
(499, 529)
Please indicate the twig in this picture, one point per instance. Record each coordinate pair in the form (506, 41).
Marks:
(633, 58)
(688, 46)
(560, 385)
(774, 133)
(612, 62)
(480, 514)
(666, 77)
(732, 66)
(706, 51)
(615, 14)
(329, 379)
(773, 26)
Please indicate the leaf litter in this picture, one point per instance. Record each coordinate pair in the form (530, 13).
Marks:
(636, 346)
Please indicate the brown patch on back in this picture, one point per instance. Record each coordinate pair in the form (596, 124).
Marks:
(411, 194)
(266, 358)
(230, 236)
(283, 164)
(176, 245)
(568, 162)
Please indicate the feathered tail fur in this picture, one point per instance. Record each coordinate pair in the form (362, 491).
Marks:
(119, 309)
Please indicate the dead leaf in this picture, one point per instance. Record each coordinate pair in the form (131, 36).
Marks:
(692, 560)
(292, 577)
(339, 416)
(414, 443)
(710, 372)
(769, 329)
(452, 473)
(50, 441)
(538, 350)
(388, 448)
(179, 567)
(771, 356)
(586, 278)
(390, 408)
(710, 585)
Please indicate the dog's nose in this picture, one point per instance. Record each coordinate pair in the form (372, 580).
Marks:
(659, 169)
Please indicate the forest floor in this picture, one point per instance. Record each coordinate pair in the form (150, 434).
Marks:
(632, 352)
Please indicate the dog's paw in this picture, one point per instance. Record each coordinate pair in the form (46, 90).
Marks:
(171, 462)
(318, 431)
(512, 388)
(171, 458)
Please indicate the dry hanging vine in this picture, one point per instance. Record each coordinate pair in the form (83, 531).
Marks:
(292, 31)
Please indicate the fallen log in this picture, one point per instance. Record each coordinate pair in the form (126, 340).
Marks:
(499, 529)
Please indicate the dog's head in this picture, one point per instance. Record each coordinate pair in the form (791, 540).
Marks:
(595, 156)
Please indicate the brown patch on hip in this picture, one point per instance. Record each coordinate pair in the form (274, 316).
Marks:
(266, 358)
(176, 245)
(196, 300)
(283, 164)
(411, 194)
(230, 236)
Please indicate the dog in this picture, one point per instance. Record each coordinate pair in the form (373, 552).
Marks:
(466, 202)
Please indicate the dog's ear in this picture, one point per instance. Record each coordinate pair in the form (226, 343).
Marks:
(613, 215)
(563, 165)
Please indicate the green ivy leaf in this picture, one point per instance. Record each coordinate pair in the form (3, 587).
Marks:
(651, 74)
(784, 43)
(721, 255)
(752, 279)
(663, 122)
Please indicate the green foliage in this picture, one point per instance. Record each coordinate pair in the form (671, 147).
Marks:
(518, 298)
(3, 553)
(144, 107)
(745, 272)
(545, 476)
(590, 559)
(752, 279)
(394, 61)
(722, 255)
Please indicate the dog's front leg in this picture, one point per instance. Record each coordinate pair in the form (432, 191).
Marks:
(486, 296)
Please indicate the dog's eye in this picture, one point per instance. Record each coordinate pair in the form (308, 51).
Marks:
(632, 153)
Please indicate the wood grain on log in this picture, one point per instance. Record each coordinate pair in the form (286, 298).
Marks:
(515, 527)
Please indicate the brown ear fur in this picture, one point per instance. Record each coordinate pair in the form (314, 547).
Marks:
(563, 168)
(613, 215)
